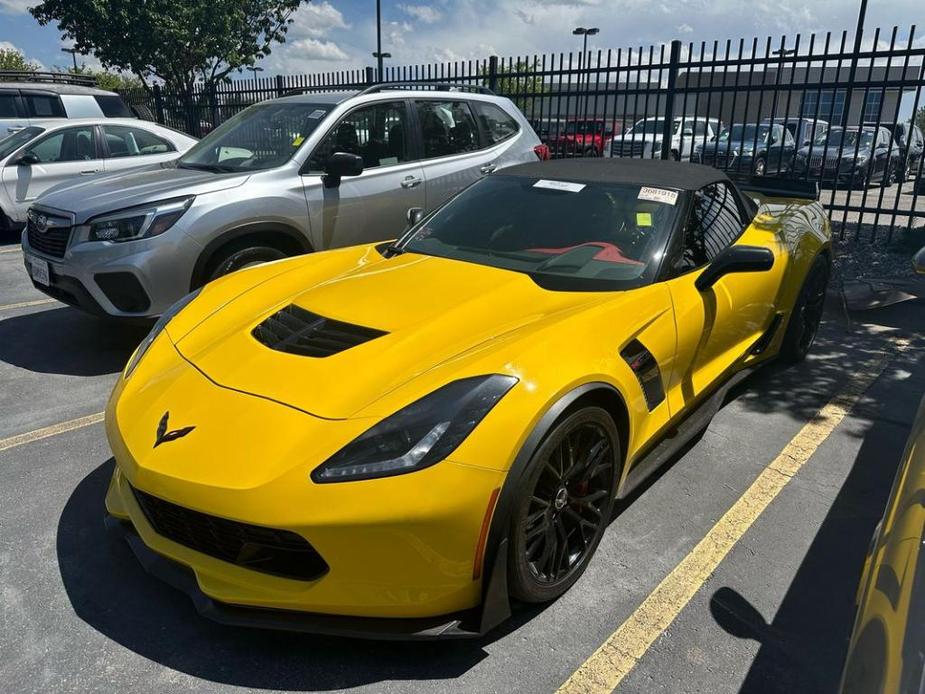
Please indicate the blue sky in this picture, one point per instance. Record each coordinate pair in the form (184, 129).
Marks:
(333, 35)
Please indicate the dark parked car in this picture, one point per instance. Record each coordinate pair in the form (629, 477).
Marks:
(911, 144)
(856, 155)
(751, 148)
(803, 130)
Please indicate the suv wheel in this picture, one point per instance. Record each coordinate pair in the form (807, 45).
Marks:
(240, 256)
(760, 167)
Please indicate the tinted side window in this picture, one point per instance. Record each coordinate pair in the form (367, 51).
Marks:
(714, 223)
(447, 127)
(8, 106)
(498, 125)
(376, 133)
(44, 106)
(132, 142)
(113, 106)
(70, 144)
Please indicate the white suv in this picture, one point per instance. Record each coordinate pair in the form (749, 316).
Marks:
(644, 139)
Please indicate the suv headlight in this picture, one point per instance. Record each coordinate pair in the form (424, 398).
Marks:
(139, 222)
(162, 322)
(419, 435)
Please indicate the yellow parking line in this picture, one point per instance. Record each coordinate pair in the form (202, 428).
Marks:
(25, 304)
(603, 671)
(53, 430)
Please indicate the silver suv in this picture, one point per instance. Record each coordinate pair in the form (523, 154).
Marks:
(287, 176)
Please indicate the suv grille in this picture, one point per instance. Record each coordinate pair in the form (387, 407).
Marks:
(270, 551)
(297, 331)
(49, 237)
(628, 148)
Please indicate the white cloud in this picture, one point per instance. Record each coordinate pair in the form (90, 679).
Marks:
(423, 13)
(7, 46)
(316, 49)
(16, 6)
(685, 29)
(316, 19)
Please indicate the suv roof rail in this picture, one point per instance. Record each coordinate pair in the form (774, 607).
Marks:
(48, 77)
(435, 85)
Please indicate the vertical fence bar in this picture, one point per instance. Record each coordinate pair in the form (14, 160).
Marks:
(667, 126)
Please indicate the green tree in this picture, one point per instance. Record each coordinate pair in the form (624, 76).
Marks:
(109, 80)
(519, 83)
(178, 42)
(920, 118)
(11, 59)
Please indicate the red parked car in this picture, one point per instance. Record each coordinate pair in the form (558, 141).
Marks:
(582, 137)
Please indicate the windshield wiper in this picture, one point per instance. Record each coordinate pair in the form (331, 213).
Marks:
(215, 168)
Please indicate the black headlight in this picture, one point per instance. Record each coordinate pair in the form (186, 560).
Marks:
(419, 435)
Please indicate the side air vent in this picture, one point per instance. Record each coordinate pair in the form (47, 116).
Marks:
(643, 364)
(297, 331)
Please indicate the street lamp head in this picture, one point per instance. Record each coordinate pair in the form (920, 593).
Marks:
(579, 31)
(592, 31)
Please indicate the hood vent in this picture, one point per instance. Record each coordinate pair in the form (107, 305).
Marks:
(297, 331)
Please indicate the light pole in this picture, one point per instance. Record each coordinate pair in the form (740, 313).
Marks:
(584, 33)
(254, 69)
(379, 55)
(73, 52)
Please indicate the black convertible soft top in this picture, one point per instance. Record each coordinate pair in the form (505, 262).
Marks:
(645, 172)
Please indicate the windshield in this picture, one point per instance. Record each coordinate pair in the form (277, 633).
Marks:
(261, 137)
(847, 138)
(566, 235)
(10, 144)
(745, 133)
(584, 127)
(652, 126)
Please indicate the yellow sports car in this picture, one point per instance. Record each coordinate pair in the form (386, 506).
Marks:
(396, 440)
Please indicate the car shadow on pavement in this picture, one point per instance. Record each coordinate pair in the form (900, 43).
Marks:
(110, 591)
(66, 341)
(803, 648)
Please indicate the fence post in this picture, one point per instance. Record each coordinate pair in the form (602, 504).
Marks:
(493, 73)
(371, 76)
(213, 105)
(280, 89)
(158, 104)
(668, 127)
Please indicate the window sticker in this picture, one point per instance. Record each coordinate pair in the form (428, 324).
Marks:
(317, 113)
(668, 197)
(298, 141)
(559, 185)
(643, 219)
(388, 161)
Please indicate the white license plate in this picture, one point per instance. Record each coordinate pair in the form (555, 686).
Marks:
(38, 268)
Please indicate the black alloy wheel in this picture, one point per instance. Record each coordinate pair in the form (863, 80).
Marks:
(565, 506)
(760, 167)
(807, 313)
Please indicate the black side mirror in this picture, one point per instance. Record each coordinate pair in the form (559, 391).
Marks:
(414, 215)
(735, 259)
(341, 164)
(28, 159)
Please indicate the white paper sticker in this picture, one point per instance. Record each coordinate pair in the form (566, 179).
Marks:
(559, 185)
(669, 197)
(317, 113)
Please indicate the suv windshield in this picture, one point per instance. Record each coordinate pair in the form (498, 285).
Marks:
(263, 136)
(847, 138)
(567, 236)
(745, 133)
(652, 126)
(10, 144)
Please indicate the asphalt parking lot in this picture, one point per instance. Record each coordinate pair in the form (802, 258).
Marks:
(771, 613)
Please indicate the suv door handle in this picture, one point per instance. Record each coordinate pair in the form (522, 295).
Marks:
(487, 169)
(411, 182)
(89, 172)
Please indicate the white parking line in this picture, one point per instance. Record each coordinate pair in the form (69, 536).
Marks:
(14, 249)
(53, 430)
(26, 304)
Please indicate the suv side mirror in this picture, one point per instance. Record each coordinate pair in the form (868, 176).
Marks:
(414, 215)
(341, 164)
(735, 259)
(918, 262)
(27, 159)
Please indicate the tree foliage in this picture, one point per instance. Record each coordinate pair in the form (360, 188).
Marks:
(107, 79)
(11, 59)
(177, 41)
(920, 118)
(519, 82)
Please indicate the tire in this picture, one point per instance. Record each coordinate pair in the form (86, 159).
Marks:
(807, 313)
(761, 167)
(888, 176)
(675, 155)
(240, 256)
(560, 498)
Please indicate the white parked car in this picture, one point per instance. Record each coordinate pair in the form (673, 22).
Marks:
(49, 153)
(644, 139)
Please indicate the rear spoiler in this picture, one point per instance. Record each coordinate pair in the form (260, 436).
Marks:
(776, 187)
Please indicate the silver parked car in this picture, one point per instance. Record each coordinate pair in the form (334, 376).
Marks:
(292, 175)
(47, 154)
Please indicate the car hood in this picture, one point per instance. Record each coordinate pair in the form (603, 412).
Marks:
(429, 309)
(91, 197)
(737, 145)
(833, 152)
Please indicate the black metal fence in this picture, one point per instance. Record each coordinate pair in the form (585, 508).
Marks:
(815, 108)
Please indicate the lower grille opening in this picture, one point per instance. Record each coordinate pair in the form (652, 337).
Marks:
(268, 550)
